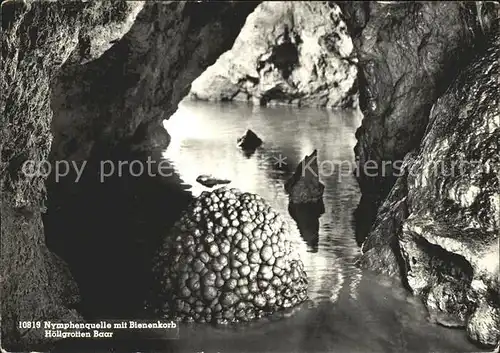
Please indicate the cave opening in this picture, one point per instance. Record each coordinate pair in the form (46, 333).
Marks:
(204, 167)
(119, 221)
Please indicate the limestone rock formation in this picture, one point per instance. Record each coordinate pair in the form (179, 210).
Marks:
(227, 259)
(304, 186)
(210, 181)
(454, 197)
(381, 251)
(149, 137)
(249, 142)
(142, 77)
(408, 55)
(287, 53)
(37, 38)
(445, 214)
(120, 99)
(305, 194)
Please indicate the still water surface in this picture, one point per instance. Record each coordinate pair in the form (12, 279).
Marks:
(350, 310)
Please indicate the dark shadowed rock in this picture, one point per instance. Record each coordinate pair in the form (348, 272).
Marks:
(306, 199)
(249, 142)
(12, 10)
(210, 181)
(37, 38)
(444, 213)
(382, 259)
(149, 137)
(126, 214)
(381, 251)
(143, 76)
(441, 278)
(409, 52)
(304, 186)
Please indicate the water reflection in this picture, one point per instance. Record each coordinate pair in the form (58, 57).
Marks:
(107, 233)
(204, 142)
(348, 310)
(306, 216)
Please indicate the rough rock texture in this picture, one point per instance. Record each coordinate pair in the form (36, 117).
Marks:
(37, 38)
(103, 107)
(166, 48)
(446, 219)
(210, 181)
(381, 251)
(36, 284)
(33, 54)
(287, 52)
(150, 137)
(142, 78)
(227, 259)
(455, 203)
(305, 194)
(304, 186)
(249, 142)
(408, 52)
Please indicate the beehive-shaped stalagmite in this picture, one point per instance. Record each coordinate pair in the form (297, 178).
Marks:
(228, 259)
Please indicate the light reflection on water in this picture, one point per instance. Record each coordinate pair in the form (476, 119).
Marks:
(349, 310)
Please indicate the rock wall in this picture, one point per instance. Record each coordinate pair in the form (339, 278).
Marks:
(450, 239)
(408, 55)
(139, 81)
(438, 227)
(437, 232)
(79, 46)
(287, 53)
(37, 38)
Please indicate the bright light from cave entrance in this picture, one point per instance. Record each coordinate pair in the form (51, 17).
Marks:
(203, 142)
(187, 123)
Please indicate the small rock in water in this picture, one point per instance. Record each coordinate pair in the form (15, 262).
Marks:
(210, 181)
(249, 142)
(304, 186)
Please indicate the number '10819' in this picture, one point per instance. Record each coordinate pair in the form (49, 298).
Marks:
(30, 324)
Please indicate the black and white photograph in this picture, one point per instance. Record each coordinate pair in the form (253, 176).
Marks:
(250, 176)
